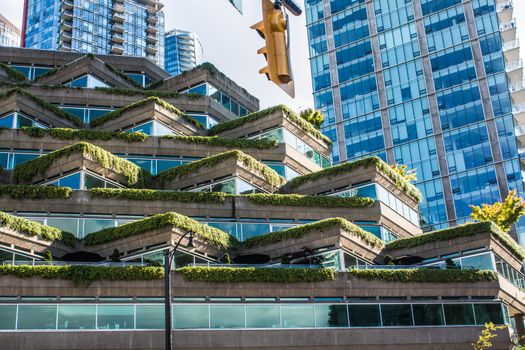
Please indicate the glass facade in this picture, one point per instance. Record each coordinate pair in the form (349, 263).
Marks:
(282, 135)
(419, 97)
(130, 27)
(183, 51)
(206, 89)
(86, 317)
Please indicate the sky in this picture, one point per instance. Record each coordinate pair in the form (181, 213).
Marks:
(232, 46)
(229, 44)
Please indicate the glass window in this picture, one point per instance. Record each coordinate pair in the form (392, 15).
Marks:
(91, 181)
(262, 316)
(77, 316)
(150, 317)
(331, 316)
(37, 316)
(8, 316)
(190, 316)
(227, 316)
(478, 262)
(459, 314)
(486, 313)
(364, 315)
(297, 316)
(116, 317)
(396, 315)
(428, 315)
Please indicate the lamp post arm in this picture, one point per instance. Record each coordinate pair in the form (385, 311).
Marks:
(168, 258)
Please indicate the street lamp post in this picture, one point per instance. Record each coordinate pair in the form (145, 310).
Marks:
(168, 258)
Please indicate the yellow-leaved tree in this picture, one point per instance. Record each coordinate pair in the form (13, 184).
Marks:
(484, 340)
(408, 174)
(504, 214)
(315, 117)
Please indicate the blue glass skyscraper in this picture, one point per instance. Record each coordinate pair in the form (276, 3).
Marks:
(183, 51)
(424, 83)
(119, 27)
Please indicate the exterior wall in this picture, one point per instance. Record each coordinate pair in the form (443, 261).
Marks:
(378, 77)
(427, 338)
(183, 51)
(9, 33)
(130, 27)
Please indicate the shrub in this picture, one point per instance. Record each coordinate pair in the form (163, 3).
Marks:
(35, 192)
(32, 228)
(84, 275)
(300, 231)
(85, 135)
(466, 230)
(426, 275)
(257, 275)
(297, 200)
(45, 105)
(203, 232)
(225, 142)
(270, 175)
(376, 162)
(135, 175)
(300, 122)
(150, 100)
(154, 195)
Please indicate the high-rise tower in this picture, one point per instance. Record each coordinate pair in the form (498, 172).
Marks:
(183, 51)
(9, 33)
(118, 27)
(433, 84)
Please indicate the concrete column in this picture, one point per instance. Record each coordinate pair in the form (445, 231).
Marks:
(486, 99)
(520, 327)
(380, 82)
(434, 113)
(335, 83)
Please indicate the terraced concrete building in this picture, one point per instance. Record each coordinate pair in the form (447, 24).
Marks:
(101, 177)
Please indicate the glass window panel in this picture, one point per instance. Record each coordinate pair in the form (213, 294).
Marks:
(166, 164)
(93, 225)
(20, 158)
(150, 317)
(262, 316)
(91, 181)
(190, 316)
(364, 315)
(486, 313)
(67, 225)
(331, 316)
(77, 316)
(37, 316)
(428, 315)
(459, 314)
(7, 316)
(226, 187)
(396, 315)
(7, 122)
(162, 130)
(116, 317)
(72, 181)
(227, 316)
(479, 262)
(297, 316)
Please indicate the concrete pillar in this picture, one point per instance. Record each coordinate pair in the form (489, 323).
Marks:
(520, 327)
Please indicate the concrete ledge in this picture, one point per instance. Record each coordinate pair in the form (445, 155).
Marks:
(395, 338)
(345, 285)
